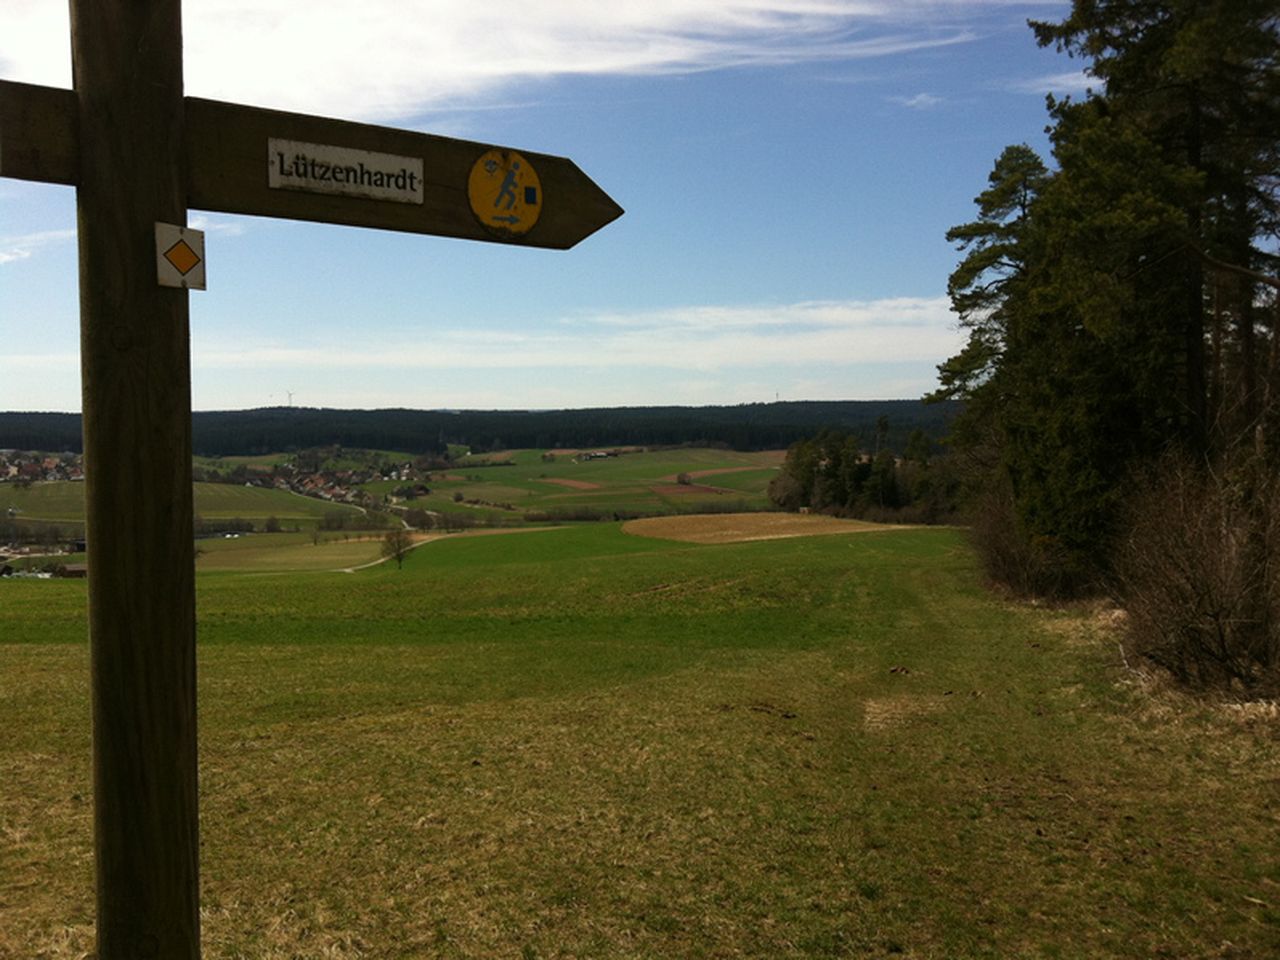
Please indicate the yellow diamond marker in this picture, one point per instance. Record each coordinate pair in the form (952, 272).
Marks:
(182, 257)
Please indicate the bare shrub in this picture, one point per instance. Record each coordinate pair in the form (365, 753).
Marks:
(396, 544)
(1026, 565)
(1199, 574)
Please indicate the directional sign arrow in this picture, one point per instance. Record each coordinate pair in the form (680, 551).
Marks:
(228, 157)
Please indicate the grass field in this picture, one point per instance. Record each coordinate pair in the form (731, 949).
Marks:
(589, 743)
(286, 552)
(224, 501)
(64, 501)
(636, 482)
(61, 500)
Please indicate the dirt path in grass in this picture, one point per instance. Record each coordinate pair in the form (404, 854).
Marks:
(423, 539)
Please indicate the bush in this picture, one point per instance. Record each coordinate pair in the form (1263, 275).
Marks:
(719, 506)
(335, 520)
(208, 528)
(1199, 574)
(418, 519)
(1012, 557)
(453, 522)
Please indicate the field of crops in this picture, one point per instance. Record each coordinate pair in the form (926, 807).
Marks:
(592, 742)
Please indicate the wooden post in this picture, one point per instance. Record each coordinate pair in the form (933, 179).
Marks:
(137, 153)
(135, 360)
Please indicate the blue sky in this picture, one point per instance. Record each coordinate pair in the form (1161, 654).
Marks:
(789, 169)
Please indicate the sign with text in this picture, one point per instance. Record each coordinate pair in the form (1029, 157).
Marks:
(321, 168)
(423, 183)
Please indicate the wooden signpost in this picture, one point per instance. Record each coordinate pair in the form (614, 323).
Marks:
(139, 155)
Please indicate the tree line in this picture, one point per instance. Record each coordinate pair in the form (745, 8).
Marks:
(1121, 376)
(837, 474)
(759, 426)
(1120, 383)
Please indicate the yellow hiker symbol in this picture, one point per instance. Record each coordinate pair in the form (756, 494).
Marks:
(505, 193)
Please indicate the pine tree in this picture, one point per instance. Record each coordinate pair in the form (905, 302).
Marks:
(995, 261)
(1199, 80)
(1118, 306)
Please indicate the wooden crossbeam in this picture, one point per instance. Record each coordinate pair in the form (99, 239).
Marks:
(39, 133)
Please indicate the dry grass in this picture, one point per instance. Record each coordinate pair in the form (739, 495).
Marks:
(740, 527)
(510, 828)
(46, 854)
(279, 553)
(880, 713)
(893, 765)
(792, 808)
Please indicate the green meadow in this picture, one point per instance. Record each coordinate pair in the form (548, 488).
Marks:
(584, 743)
(224, 501)
(287, 553)
(63, 501)
(504, 487)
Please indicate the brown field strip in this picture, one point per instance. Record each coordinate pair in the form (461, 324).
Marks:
(739, 527)
(571, 484)
(700, 474)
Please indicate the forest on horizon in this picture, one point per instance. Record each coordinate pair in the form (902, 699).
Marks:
(757, 426)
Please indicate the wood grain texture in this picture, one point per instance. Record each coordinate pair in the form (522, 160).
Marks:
(39, 133)
(127, 59)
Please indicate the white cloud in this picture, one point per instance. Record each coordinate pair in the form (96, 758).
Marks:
(811, 314)
(399, 58)
(1073, 81)
(708, 340)
(25, 246)
(212, 224)
(13, 249)
(35, 41)
(921, 101)
(383, 59)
